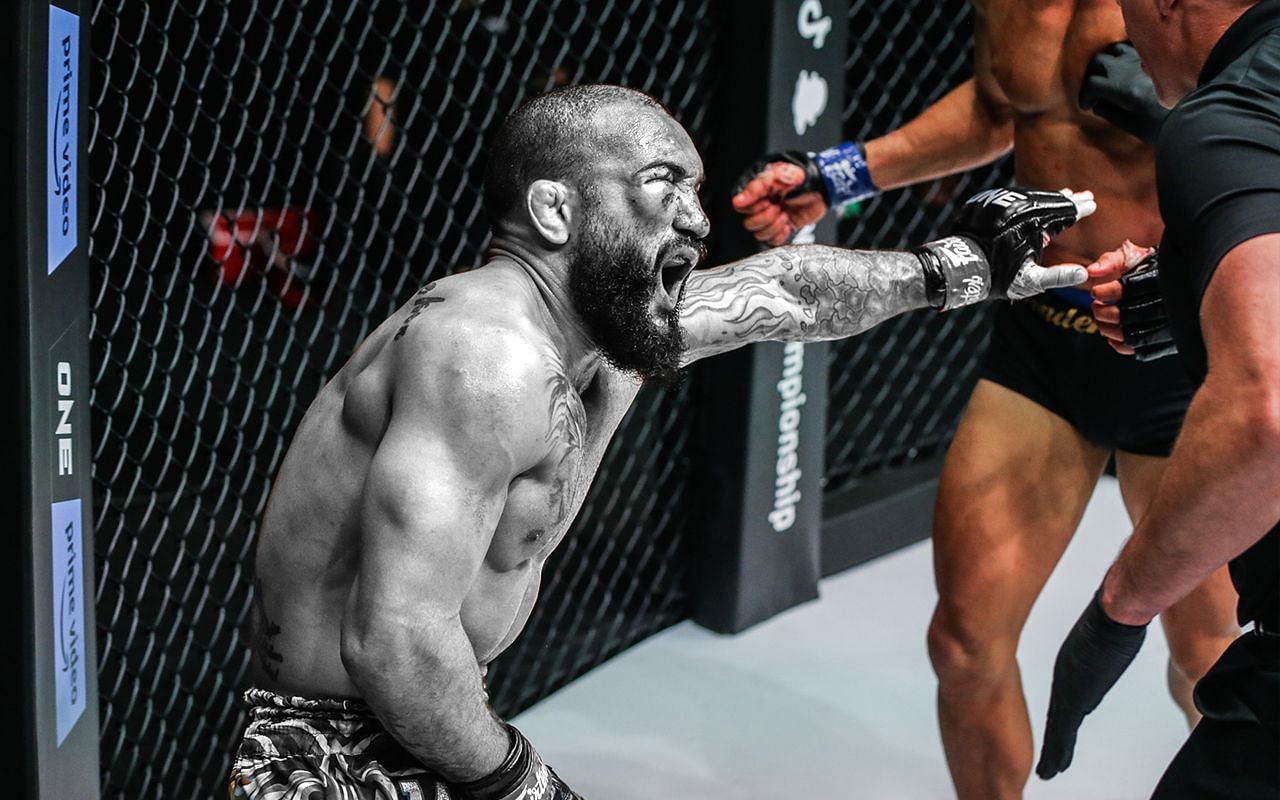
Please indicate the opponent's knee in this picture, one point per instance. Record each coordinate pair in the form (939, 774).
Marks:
(967, 655)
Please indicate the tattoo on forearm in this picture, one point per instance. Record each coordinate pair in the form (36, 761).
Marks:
(422, 300)
(264, 633)
(801, 293)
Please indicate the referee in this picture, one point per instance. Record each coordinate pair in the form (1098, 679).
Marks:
(1218, 178)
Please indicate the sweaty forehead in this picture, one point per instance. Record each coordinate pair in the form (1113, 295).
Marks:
(638, 137)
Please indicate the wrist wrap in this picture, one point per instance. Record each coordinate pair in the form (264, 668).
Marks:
(520, 775)
(956, 273)
(845, 173)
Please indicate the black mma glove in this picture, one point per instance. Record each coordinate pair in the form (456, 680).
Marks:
(1142, 312)
(1095, 654)
(997, 240)
(1116, 89)
(812, 182)
(521, 776)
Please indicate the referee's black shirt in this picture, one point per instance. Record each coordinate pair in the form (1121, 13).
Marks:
(1218, 178)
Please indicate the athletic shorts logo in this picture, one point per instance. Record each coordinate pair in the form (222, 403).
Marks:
(411, 790)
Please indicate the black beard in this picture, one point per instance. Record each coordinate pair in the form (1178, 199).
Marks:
(612, 285)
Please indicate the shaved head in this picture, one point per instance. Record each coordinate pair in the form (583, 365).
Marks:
(552, 136)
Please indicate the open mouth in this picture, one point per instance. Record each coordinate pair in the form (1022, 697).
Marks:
(675, 269)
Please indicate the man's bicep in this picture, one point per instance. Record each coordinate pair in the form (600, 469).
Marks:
(437, 485)
(427, 517)
(468, 416)
(1237, 313)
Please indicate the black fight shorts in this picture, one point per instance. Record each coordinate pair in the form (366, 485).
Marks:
(1234, 752)
(1048, 350)
(309, 749)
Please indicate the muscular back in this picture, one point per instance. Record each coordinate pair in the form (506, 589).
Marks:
(1031, 56)
(469, 358)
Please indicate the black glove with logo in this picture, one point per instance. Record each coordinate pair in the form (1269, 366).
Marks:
(997, 240)
(521, 776)
(1095, 654)
(1116, 89)
(1142, 312)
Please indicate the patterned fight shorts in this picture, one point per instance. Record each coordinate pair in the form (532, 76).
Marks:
(298, 748)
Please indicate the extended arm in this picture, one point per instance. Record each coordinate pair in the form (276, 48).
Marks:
(798, 293)
(813, 293)
(1218, 495)
(970, 126)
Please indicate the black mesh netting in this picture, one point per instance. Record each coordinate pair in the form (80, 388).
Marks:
(896, 393)
(254, 216)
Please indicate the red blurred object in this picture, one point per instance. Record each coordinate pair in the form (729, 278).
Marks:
(270, 242)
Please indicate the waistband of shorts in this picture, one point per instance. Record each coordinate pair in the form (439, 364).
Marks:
(1071, 295)
(1057, 313)
(265, 705)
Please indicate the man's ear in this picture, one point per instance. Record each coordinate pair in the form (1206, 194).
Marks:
(548, 205)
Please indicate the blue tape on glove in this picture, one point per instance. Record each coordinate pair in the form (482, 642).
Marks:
(844, 170)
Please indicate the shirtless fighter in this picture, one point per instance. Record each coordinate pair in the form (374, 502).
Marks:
(1054, 402)
(427, 484)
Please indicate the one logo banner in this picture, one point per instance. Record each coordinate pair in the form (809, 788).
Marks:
(69, 656)
(66, 415)
(63, 150)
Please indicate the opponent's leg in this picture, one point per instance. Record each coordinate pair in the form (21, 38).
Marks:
(1013, 488)
(1199, 626)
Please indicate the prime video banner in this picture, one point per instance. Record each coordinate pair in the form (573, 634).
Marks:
(64, 137)
(68, 616)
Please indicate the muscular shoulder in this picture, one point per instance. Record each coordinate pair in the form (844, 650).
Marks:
(482, 368)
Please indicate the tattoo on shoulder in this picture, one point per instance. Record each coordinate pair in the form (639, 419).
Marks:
(567, 419)
(566, 414)
(264, 633)
(422, 300)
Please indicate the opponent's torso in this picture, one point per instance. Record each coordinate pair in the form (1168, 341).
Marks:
(1039, 50)
(310, 539)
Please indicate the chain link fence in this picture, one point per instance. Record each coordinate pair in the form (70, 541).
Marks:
(896, 393)
(270, 179)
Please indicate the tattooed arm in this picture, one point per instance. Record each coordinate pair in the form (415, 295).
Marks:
(809, 293)
(802, 293)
